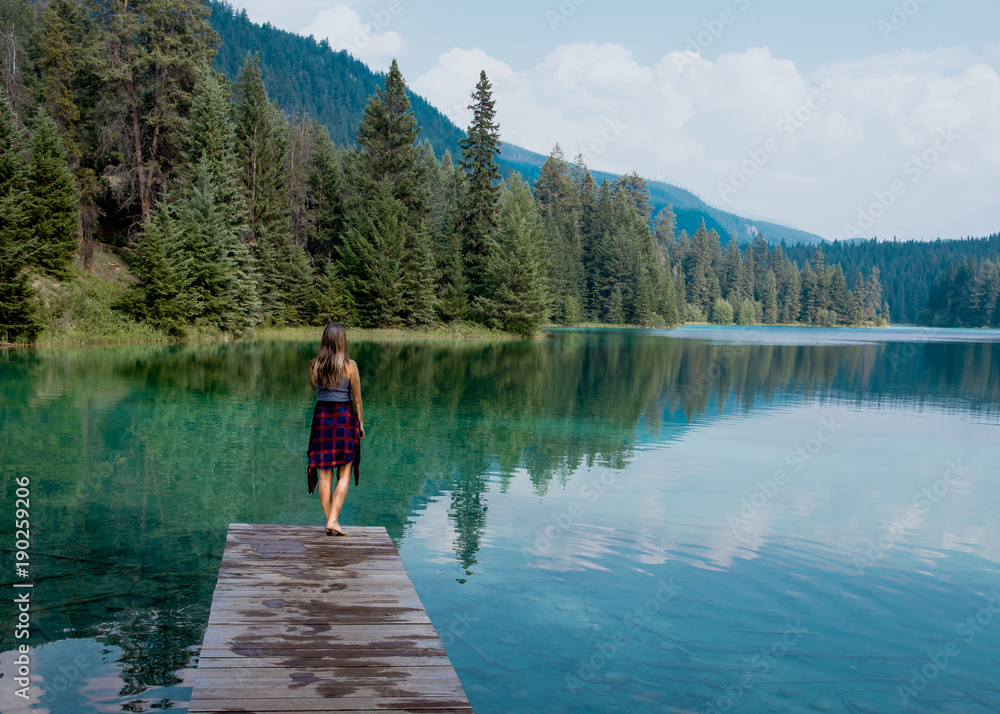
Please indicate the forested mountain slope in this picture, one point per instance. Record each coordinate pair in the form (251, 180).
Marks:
(333, 87)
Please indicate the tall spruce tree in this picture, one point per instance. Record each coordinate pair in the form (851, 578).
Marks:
(699, 268)
(389, 180)
(481, 202)
(214, 138)
(771, 312)
(52, 209)
(591, 232)
(515, 295)
(559, 203)
(303, 137)
(623, 258)
(261, 139)
(163, 296)
(666, 297)
(221, 272)
(18, 315)
(373, 259)
(420, 281)
(388, 136)
(326, 201)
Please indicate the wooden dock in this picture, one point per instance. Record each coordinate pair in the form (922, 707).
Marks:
(302, 622)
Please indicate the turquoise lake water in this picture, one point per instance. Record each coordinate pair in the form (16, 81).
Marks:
(699, 520)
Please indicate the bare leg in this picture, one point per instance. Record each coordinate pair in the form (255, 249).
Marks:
(325, 490)
(339, 496)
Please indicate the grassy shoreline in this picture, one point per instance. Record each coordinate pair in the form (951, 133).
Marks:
(76, 338)
(79, 312)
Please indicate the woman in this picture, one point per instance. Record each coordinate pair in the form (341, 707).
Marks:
(337, 430)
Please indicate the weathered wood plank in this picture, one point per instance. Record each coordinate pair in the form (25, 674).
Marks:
(306, 687)
(383, 616)
(303, 622)
(266, 677)
(356, 705)
(223, 659)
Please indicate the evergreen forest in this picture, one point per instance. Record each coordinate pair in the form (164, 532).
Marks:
(232, 210)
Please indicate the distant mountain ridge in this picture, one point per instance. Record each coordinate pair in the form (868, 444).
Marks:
(333, 87)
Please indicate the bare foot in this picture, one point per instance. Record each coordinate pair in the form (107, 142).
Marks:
(335, 529)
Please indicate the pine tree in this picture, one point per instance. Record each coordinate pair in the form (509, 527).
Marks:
(733, 273)
(516, 288)
(454, 297)
(326, 200)
(52, 208)
(18, 315)
(420, 281)
(572, 312)
(590, 232)
(481, 203)
(163, 296)
(748, 272)
(453, 187)
(261, 144)
(555, 183)
(664, 228)
(373, 259)
(855, 303)
(680, 290)
(635, 191)
(331, 300)
(643, 308)
(214, 138)
(810, 295)
(666, 296)
(626, 252)
(434, 184)
(221, 273)
(614, 309)
(763, 260)
(699, 267)
(873, 294)
(389, 153)
(790, 294)
(771, 313)
(262, 138)
(303, 137)
(837, 292)
(19, 320)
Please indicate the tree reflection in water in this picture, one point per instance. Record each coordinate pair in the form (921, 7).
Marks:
(139, 457)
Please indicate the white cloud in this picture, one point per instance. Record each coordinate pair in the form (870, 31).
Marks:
(370, 41)
(451, 82)
(838, 138)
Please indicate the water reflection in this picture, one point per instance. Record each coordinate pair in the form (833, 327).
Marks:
(140, 457)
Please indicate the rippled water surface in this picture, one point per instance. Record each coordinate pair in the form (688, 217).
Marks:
(702, 520)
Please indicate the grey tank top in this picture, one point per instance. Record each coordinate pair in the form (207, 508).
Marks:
(334, 394)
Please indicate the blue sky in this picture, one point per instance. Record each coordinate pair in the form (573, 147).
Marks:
(847, 119)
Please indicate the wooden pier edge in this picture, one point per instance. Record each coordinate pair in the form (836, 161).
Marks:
(304, 622)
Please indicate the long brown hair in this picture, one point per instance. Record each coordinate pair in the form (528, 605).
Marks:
(332, 360)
